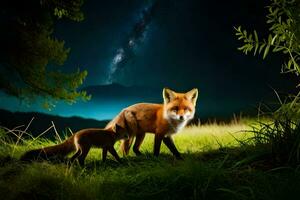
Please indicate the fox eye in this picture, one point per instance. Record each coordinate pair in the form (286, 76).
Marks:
(175, 109)
(187, 109)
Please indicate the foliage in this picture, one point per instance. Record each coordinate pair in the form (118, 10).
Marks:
(30, 53)
(282, 135)
(284, 34)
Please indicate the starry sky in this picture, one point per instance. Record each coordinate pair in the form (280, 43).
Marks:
(182, 44)
(176, 44)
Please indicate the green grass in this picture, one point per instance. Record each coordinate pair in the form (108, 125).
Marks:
(216, 165)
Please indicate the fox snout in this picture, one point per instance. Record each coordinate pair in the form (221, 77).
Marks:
(179, 115)
(182, 117)
(179, 106)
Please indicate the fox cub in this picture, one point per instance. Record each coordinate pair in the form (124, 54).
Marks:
(81, 142)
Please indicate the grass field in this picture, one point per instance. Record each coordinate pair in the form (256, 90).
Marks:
(218, 164)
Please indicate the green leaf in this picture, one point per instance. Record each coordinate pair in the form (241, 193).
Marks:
(289, 64)
(277, 49)
(242, 48)
(273, 40)
(261, 48)
(256, 42)
(256, 36)
(266, 51)
(270, 38)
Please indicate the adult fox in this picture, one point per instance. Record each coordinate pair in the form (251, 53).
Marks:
(163, 120)
(81, 142)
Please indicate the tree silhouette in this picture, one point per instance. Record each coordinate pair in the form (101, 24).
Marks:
(30, 55)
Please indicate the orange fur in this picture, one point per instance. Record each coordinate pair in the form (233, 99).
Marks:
(82, 141)
(161, 119)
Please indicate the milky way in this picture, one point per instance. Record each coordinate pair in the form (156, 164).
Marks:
(126, 52)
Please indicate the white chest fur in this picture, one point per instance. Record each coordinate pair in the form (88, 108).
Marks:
(176, 126)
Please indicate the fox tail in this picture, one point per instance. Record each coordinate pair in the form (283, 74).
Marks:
(62, 149)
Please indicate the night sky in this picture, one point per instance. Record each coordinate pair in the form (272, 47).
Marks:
(170, 43)
(193, 37)
(186, 44)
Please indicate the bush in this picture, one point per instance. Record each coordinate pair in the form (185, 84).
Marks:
(281, 135)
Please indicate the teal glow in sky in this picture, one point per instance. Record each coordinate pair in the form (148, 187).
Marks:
(179, 44)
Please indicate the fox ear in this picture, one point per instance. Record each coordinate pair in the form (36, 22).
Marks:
(168, 95)
(192, 95)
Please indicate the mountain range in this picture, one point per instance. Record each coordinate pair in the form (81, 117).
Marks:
(40, 122)
(108, 100)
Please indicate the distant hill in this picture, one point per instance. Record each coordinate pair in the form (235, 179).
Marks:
(43, 121)
(108, 100)
(209, 105)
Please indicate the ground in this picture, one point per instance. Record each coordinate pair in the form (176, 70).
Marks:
(219, 163)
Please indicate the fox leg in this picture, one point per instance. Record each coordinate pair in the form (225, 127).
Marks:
(157, 142)
(125, 145)
(168, 141)
(132, 128)
(76, 155)
(83, 155)
(114, 153)
(104, 154)
(138, 141)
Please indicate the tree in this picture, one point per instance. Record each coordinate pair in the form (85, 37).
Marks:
(30, 54)
(283, 19)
